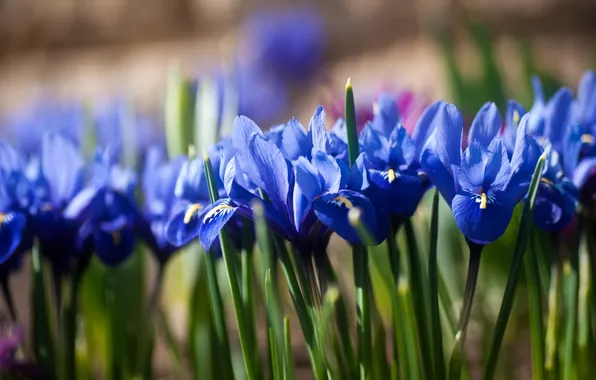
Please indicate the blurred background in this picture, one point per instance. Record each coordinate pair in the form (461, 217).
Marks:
(466, 51)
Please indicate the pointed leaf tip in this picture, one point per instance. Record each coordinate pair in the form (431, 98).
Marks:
(349, 83)
(354, 216)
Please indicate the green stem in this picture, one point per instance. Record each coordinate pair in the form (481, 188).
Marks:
(251, 366)
(393, 253)
(224, 356)
(535, 309)
(42, 334)
(69, 329)
(437, 333)
(420, 299)
(288, 362)
(583, 333)
(247, 285)
(552, 324)
(363, 307)
(570, 281)
(404, 293)
(466, 310)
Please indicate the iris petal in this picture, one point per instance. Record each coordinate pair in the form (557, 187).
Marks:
(441, 177)
(424, 126)
(387, 116)
(584, 171)
(498, 171)
(555, 205)
(482, 226)
(586, 97)
(375, 146)
(485, 125)
(213, 219)
(307, 178)
(317, 132)
(557, 115)
(12, 226)
(62, 166)
(332, 210)
(329, 172)
(295, 142)
(447, 136)
(396, 193)
(183, 226)
(114, 241)
(474, 162)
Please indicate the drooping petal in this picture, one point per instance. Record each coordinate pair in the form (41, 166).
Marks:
(329, 172)
(486, 125)
(481, 225)
(12, 226)
(555, 205)
(183, 226)
(386, 116)
(213, 219)
(114, 240)
(394, 192)
(332, 210)
(295, 142)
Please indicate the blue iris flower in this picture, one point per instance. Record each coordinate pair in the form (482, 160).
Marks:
(513, 115)
(390, 158)
(159, 184)
(106, 212)
(481, 184)
(307, 198)
(192, 199)
(57, 181)
(15, 197)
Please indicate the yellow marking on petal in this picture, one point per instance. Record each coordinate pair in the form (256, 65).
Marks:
(214, 211)
(483, 201)
(587, 138)
(546, 180)
(116, 237)
(2, 217)
(391, 175)
(345, 201)
(515, 117)
(192, 210)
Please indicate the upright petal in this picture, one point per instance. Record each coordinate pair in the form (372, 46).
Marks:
(295, 142)
(425, 125)
(307, 178)
(497, 172)
(473, 164)
(317, 131)
(329, 172)
(386, 116)
(375, 146)
(557, 115)
(586, 97)
(440, 176)
(523, 161)
(446, 139)
(244, 129)
(62, 167)
(486, 125)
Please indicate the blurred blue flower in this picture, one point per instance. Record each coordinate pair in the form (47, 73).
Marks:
(105, 210)
(289, 43)
(58, 179)
(481, 184)
(159, 184)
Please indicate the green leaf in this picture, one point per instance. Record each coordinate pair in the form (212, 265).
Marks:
(508, 297)
(179, 112)
(351, 127)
